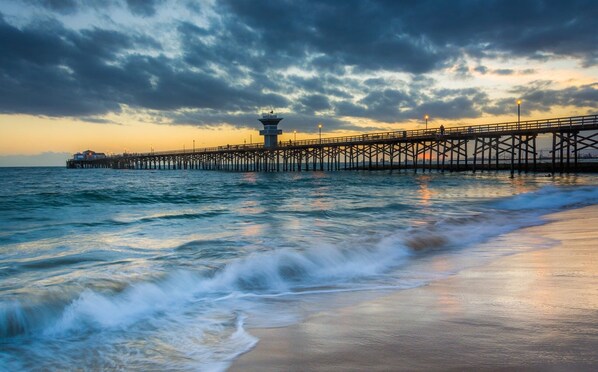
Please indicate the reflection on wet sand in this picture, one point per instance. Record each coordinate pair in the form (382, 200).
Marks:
(533, 310)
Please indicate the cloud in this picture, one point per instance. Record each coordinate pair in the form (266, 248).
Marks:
(504, 71)
(60, 6)
(540, 96)
(481, 69)
(462, 70)
(54, 71)
(302, 122)
(535, 29)
(314, 102)
(331, 30)
(228, 59)
(49, 70)
(394, 106)
(543, 99)
(96, 120)
(143, 8)
(510, 71)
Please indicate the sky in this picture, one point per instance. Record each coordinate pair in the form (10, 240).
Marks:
(137, 75)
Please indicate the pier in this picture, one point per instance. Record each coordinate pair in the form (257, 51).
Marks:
(500, 146)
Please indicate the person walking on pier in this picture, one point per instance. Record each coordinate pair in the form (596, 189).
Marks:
(441, 130)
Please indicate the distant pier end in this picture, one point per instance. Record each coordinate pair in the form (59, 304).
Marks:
(270, 131)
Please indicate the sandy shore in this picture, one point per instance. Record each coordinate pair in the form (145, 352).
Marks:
(535, 310)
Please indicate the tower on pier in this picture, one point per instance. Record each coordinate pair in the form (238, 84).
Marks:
(270, 131)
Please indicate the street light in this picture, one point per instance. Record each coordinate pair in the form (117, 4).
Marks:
(320, 129)
(426, 117)
(518, 114)
(194, 146)
(294, 136)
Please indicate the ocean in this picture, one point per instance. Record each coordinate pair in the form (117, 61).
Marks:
(171, 270)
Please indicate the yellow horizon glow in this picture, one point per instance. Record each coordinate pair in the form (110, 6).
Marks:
(30, 135)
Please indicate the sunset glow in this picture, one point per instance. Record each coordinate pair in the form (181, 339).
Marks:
(135, 76)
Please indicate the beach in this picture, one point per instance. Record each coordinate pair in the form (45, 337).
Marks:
(205, 271)
(535, 310)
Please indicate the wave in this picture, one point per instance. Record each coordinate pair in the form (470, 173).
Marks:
(272, 272)
(17, 235)
(66, 260)
(263, 272)
(60, 199)
(551, 198)
(287, 270)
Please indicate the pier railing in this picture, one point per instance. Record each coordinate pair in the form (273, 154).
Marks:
(513, 126)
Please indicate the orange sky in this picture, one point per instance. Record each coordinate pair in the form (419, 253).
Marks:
(113, 78)
(29, 135)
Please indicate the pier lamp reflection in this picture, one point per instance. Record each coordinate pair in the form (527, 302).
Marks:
(425, 194)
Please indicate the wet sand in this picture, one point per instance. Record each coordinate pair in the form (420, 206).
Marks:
(536, 310)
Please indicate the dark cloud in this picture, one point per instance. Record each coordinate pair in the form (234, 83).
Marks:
(143, 8)
(453, 108)
(419, 36)
(309, 123)
(362, 34)
(49, 70)
(462, 71)
(510, 71)
(392, 106)
(314, 102)
(245, 56)
(305, 123)
(540, 96)
(532, 28)
(326, 84)
(452, 104)
(481, 69)
(504, 71)
(95, 120)
(60, 6)
(68, 73)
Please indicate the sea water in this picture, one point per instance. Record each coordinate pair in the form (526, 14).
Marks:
(170, 270)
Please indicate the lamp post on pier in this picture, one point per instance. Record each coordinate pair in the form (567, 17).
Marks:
(294, 136)
(426, 117)
(194, 146)
(320, 130)
(518, 114)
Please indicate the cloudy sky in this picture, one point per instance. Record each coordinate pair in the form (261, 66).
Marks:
(115, 75)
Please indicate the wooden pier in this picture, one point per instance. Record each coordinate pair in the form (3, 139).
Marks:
(502, 146)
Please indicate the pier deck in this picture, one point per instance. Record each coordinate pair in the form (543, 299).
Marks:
(511, 145)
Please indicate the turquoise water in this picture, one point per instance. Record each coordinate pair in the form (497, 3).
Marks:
(170, 270)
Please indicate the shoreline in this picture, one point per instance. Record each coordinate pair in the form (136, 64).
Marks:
(537, 309)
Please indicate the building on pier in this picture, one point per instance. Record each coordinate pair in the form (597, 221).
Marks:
(89, 155)
(270, 131)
